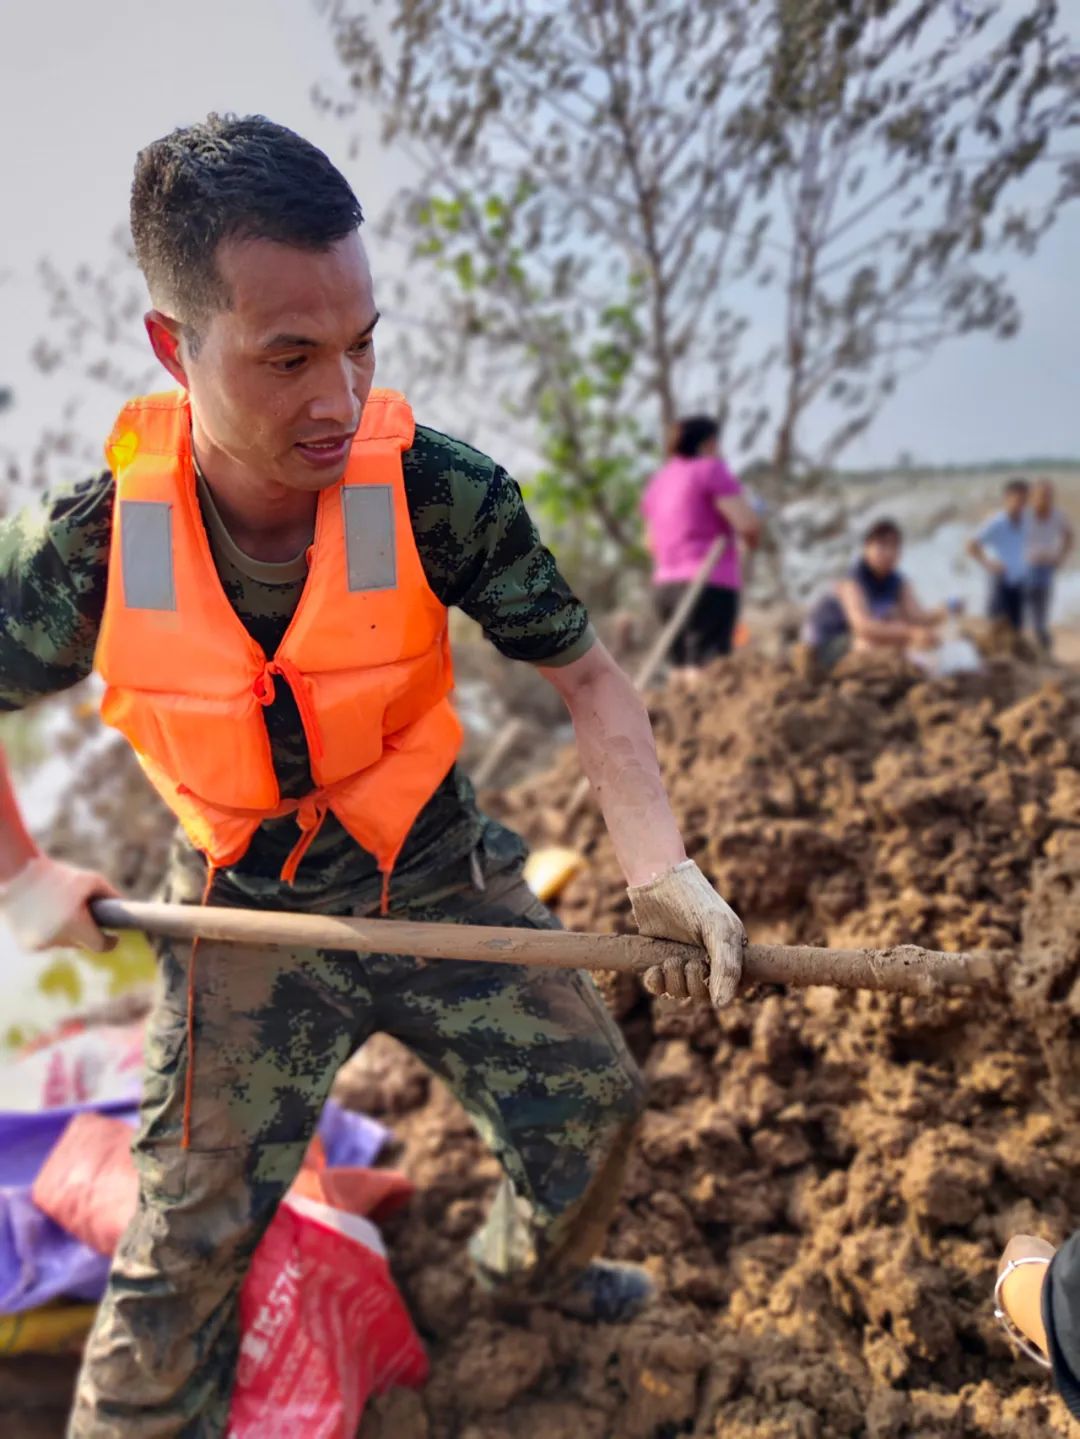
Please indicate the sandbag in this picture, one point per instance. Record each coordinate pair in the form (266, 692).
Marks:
(323, 1328)
(88, 1184)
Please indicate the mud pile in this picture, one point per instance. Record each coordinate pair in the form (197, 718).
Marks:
(824, 1181)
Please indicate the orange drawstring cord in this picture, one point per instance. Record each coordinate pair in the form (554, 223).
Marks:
(309, 816)
(189, 1077)
(387, 865)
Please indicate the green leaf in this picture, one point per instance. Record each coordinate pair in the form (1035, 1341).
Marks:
(449, 214)
(463, 269)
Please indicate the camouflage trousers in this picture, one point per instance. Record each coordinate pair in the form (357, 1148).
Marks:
(534, 1057)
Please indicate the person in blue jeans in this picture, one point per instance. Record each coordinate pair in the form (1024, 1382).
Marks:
(1001, 548)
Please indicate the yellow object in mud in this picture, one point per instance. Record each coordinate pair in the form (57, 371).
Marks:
(548, 871)
(51, 1329)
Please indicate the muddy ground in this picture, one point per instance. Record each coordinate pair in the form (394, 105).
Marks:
(824, 1182)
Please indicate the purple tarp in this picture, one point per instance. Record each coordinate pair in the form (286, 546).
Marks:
(39, 1261)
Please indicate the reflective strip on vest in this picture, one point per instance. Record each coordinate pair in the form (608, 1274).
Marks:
(370, 549)
(146, 551)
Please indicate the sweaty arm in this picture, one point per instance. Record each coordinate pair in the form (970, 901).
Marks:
(741, 517)
(618, 754)
(481, 552)
(53, 558)
(44, 901)
(989, 561)
(17, 849)
(864, 626)
(914, 612)
(670, 896)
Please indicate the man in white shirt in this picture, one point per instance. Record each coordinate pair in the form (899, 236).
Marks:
(1049, 539)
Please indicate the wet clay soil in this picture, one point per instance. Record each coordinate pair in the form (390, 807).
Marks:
(824, 1181)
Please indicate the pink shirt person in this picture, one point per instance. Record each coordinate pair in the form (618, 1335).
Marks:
(682, 521)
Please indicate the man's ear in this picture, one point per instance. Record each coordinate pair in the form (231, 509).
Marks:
(164, 333)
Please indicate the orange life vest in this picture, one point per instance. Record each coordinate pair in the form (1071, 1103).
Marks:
(366, 653)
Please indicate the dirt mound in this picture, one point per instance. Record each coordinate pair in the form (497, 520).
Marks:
(824, 1181)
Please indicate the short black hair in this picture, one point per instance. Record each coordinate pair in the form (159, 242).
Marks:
(1017, 486)
(883, 530)
(688, 435)
(229, 177)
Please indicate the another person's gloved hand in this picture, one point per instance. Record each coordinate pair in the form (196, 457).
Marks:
(46, 904)
(683, 905)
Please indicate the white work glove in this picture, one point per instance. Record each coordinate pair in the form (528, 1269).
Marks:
(682, 904)
(46, 904)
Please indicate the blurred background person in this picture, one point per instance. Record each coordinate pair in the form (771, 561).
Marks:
(688, 504)
(1049, 539)
(1001, 548)
(873, 607)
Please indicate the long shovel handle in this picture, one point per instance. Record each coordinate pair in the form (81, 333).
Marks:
(903, 969)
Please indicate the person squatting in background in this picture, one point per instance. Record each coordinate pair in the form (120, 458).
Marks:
(689, 503)
(873, 607)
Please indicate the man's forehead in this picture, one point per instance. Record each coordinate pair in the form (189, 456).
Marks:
(273, 286)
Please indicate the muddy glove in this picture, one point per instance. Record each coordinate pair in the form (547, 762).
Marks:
(46, 904)
(682, 904)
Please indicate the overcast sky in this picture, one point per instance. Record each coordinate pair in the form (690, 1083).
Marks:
(82, 86)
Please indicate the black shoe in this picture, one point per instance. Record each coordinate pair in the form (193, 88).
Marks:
(607, 1293)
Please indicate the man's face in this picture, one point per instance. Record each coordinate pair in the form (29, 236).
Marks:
(279, 379)
(1042, 498)
(1015, 500)
(882, 554)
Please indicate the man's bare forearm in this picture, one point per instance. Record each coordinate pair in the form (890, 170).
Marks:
(16, 846)
(669, 896)
(976, 551)
(884, 632)
(618, 755)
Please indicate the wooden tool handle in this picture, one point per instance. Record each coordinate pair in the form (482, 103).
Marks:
(904, 969)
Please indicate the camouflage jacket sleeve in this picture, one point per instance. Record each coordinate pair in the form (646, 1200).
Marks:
(481, 552)
(53, 567)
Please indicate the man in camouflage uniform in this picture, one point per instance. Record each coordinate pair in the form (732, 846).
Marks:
(533, 1055)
